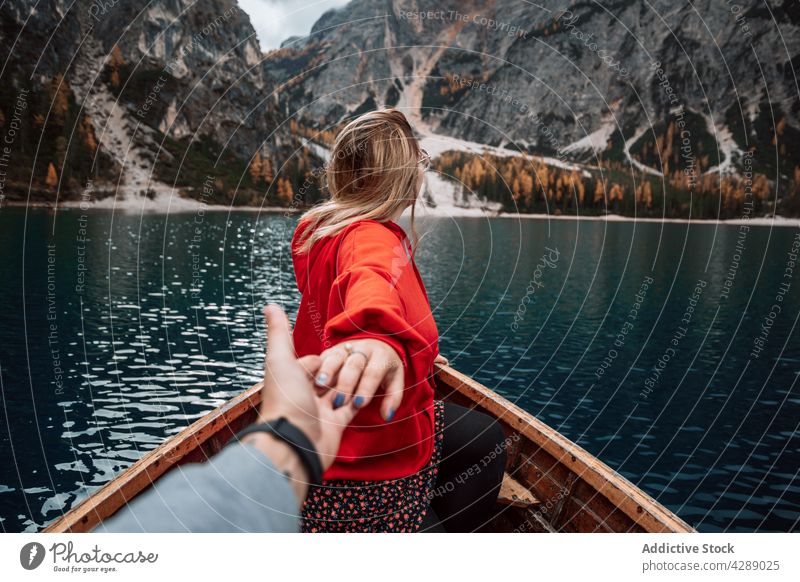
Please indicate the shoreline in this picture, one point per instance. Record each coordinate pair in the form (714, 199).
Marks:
(756, 221)
(181, 208)
(188, 206)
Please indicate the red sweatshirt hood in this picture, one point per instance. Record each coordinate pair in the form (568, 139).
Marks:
(304, 262)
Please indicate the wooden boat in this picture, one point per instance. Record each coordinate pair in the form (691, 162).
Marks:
(551, 484)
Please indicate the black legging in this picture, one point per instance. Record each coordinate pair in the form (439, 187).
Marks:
(470, 471)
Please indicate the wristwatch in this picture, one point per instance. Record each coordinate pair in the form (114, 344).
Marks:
(285, 431)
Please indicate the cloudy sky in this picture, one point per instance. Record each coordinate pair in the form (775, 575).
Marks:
(277, 20)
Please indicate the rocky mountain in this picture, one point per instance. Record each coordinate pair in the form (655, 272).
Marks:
(161, 98)
(621, 106)
(581, 71)
(706, 89)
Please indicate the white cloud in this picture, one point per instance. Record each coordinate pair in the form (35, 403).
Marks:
(277, 20)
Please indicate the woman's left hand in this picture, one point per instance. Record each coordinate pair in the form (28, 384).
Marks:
(440, 359)
(354, 370)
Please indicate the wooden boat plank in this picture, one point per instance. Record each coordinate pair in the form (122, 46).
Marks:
(512, 492)
(555, 483)
(577, 517)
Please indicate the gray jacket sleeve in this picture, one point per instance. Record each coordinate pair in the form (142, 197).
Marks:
(238, 490)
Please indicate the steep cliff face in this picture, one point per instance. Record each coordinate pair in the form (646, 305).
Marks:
(209, 55)
(176, 93)
(627, 68)
(173, 93)
(583, 81)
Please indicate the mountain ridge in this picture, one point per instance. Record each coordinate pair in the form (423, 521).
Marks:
(601, 96)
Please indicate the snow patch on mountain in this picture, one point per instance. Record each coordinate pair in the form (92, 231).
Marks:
(728, 151)
(444, 197)
(595, 142)
(437, 144)
(636, 163)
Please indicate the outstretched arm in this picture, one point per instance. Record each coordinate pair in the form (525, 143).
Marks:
(373, 341)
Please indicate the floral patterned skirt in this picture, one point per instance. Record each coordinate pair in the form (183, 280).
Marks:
(395, 505)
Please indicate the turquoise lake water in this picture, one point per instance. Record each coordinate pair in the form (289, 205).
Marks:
(670, 351)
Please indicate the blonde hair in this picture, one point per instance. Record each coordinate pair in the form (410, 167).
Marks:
(372, 173)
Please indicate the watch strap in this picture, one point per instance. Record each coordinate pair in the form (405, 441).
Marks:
(285, 431)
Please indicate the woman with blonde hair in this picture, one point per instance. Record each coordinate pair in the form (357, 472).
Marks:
(365, 309)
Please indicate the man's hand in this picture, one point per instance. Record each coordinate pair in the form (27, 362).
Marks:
(289, 391)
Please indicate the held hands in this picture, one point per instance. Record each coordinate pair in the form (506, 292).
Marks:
(347, 376)
(355, 370)
(289, 391)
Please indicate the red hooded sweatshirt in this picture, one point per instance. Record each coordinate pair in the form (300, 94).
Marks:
(363, 283)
